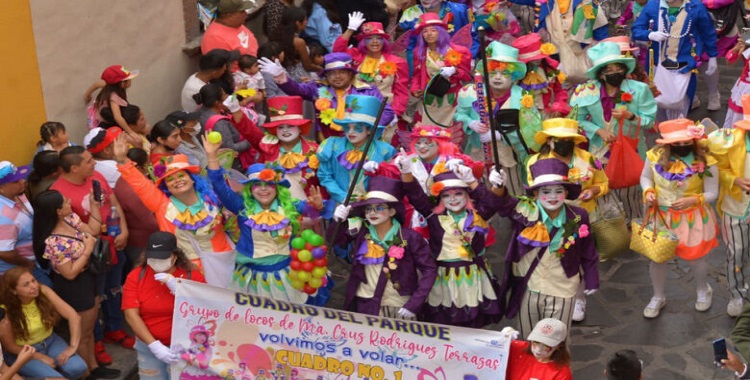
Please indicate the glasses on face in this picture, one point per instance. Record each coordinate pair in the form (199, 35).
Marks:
(375, 209)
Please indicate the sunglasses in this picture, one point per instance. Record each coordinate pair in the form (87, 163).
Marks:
(375, 209)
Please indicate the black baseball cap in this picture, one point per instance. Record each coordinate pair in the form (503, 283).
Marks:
(180, 118)
(161, 245)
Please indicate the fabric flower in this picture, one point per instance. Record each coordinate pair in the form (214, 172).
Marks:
(548, 49)
(527, 101)
(267, 175)
(583, 231)
(387, 68)
(436, 188)
(696, 131)
(496, 66)
(159, 170)
(312, 162)
(322, 104)
(626, 97)
(561, 77)
(698, 167)
(452, 57)
(439, 168)
(326, 116)
(396, 252)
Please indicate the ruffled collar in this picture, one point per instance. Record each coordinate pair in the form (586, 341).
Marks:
(473, 222)
(193, 217)
(537, 235)
(292, 161)
(373, 249)
(680, 169)
(350, 157)
(269, 220)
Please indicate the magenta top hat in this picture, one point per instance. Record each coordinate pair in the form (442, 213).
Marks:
(551, 172)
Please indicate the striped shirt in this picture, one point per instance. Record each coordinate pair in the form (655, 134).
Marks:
(16, 226)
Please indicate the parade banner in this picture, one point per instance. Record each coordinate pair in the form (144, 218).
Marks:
(222, 334)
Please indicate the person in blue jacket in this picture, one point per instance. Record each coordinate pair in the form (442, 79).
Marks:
(680, 32)
(455, 15)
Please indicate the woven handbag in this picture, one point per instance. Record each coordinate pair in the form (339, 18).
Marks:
(658, 246)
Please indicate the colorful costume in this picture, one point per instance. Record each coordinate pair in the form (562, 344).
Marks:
(543, 79)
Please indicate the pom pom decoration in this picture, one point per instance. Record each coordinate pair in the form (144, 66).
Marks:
(309, 265)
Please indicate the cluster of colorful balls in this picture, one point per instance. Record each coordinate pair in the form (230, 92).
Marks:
(309, 265)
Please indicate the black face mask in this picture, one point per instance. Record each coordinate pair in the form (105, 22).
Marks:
(614, 79)
(681, 150)
(564, 147)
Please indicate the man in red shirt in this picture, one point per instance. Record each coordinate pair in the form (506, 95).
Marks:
(76, 183)
(228, 30)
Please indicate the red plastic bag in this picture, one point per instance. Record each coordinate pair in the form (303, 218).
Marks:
(625, 165)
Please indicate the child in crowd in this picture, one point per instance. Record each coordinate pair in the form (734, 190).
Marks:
(624, 365)
(317, 56)
(544, 355)
(53, 137)
(114, 84)
(248, 77)
(273, 51)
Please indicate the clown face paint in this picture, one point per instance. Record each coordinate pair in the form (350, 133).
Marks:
(427, 149)
(552, 197)
(264, 193)
(541, 352)
(179, 183)
(356, 133)
(374, 44)
(454, 200)
(500, 81)
(287, 133)
(378, 214)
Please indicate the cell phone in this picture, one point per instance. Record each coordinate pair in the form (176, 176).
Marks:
(745, 35)
(720, 350)
(97, 190)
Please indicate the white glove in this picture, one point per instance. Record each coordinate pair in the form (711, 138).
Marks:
(273, 68)
(232, 103)
(341, 212)
(356, 19)
(453, 164)
(163, 352)
(487, 136)
(405, 313)
(658, 36)
(711, 68)
(168, 280)
(370, 166)
(590, 292)
(498, 178)
(478, 127)
(403, 163)
(447, 71)
(510, 332)
(465, 174)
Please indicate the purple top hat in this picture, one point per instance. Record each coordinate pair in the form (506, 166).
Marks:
(382, 190)
(550, 172)
(446, 181)
(337, 61)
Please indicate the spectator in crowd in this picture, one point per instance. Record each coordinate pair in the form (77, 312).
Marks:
(165, 138)
(190, 132)
(228, 30)
(53, 137)
(297, 60)
(274, 12)
(24, 356)
(99, 143)
(543, 355)
(135, 118)
(271, 51)
(32, 310)
(45, 171)
(323, 24)
(148, 302)
(211, 66)
(624, 365)
(115, 81)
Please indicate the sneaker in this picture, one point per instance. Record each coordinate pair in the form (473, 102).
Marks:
(104, 373)
(119, 337)
(734, 307)
(579, 312)
(102, 357)
(714, 102)
(696, 103)
(654, 307)
(704, 300)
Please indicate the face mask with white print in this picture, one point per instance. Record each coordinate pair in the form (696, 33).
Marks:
(160, 265)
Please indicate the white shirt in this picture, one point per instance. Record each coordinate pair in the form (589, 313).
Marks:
(192, 86)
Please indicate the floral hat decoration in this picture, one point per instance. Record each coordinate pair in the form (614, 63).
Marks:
(445, 180)
(286, 110)
(550, 172)
(429, 19)
(430, 131)
(678, 130)
(262, 173)
(505, 58)
(169, 165)
(530, 48)
(372, 28)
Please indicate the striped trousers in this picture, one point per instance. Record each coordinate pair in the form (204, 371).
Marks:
(536, 306)
(632, 201)
(736, 233)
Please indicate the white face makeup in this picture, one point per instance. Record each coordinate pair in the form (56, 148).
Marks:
(356, 133)
(454, 200)
(287, 133)
(427, 148)
(551, 197)
(378, 214)
(541, 351)
(500, 81)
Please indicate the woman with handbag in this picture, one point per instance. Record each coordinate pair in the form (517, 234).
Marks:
(440, 69)
(609, 105)
(62, 238)
(680, 180)
(559, 138)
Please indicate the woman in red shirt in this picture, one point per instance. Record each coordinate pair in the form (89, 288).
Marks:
(148, 302)
(544, 355)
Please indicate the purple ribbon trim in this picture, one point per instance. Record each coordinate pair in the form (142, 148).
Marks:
(344, 162)
(469, 227)
(265, 227)
(192, 227)
(362, 251)
(533, 87)
(674, 176)
(295, 169)
(532, 243)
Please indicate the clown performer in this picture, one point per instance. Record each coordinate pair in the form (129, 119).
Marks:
(724, 18)
(543, 79)
(330, 94)
(374, 62)
(497, 19)
(454, 15)
(681, 31)
(559, 138)
(505, 70)
(283, 146)
(392, 269)
(198, 356)
(465, 292)
(269, 218)
(682, 178)
(609, 103)
(435, 55)
(552, 249)
(186, 206)
(639, 73)
(339, 156)
(732, 150)
(741, 86)
(572, 26)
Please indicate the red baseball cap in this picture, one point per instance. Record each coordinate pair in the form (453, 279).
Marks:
(116, 74)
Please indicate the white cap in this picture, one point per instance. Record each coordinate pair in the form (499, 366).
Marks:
(90, 136)
(549, 331)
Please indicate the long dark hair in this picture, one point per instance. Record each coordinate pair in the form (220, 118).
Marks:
(208, 95)
(665, 152)
(46, 163)
(14, 309)
(285, 34)
(46, 205)
(102, 100)
(161, 129)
